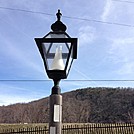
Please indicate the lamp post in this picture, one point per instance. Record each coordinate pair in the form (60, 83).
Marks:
(57, 50)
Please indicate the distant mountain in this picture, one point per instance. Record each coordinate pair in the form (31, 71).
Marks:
(95, 105)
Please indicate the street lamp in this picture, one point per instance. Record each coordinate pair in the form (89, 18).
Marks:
(57, 50)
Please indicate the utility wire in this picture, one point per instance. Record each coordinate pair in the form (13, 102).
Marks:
(66, 80)
(76, 18)
(99, 80)
(23, 10)
(124, 1)
(99, 21)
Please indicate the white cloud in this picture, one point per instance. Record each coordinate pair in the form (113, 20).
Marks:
(19, 54)
(107, 10)
(117, 12)
(121, 53)
(11, 94)
(127, 68)
(12, 99)
(86, 35)
(22, 56)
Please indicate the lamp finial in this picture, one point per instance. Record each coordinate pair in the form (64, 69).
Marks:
(58, 15)
(58, 26)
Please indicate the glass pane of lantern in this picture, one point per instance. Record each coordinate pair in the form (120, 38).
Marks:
(55, 35)
(50, 50)
(69, 63)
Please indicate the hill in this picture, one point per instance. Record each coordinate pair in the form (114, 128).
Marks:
(95, 105)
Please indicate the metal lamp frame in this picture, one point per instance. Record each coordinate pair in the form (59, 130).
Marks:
(58, 74)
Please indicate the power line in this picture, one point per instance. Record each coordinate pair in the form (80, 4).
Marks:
(24, 80)
(73, 80)
(100, 80)
(99, 21)
(76, 18)
(124, 1)
(23, 10)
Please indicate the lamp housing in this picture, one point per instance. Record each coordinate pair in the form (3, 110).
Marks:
(57, 50)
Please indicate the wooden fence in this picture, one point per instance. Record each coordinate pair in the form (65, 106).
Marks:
(78, 129)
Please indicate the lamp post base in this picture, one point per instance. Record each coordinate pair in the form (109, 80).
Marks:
(55, 114)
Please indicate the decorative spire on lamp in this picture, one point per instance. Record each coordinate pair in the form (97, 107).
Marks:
(58, 63)
(58, 26)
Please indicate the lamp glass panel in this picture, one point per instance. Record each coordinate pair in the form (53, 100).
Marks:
(69, 63)
(50, 50)
(55, 35)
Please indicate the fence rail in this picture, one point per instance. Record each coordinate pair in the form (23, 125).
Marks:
(77, 129)
(33, 130)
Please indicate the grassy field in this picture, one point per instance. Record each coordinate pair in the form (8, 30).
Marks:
(16, 126)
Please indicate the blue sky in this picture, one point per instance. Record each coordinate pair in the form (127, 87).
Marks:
(105, 51)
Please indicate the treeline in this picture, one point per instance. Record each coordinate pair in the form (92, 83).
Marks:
(33, 112)
(94, 105)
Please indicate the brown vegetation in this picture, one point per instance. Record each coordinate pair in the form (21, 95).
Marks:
(95, 105)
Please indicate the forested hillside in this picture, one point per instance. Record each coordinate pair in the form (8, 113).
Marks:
(95, 105)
